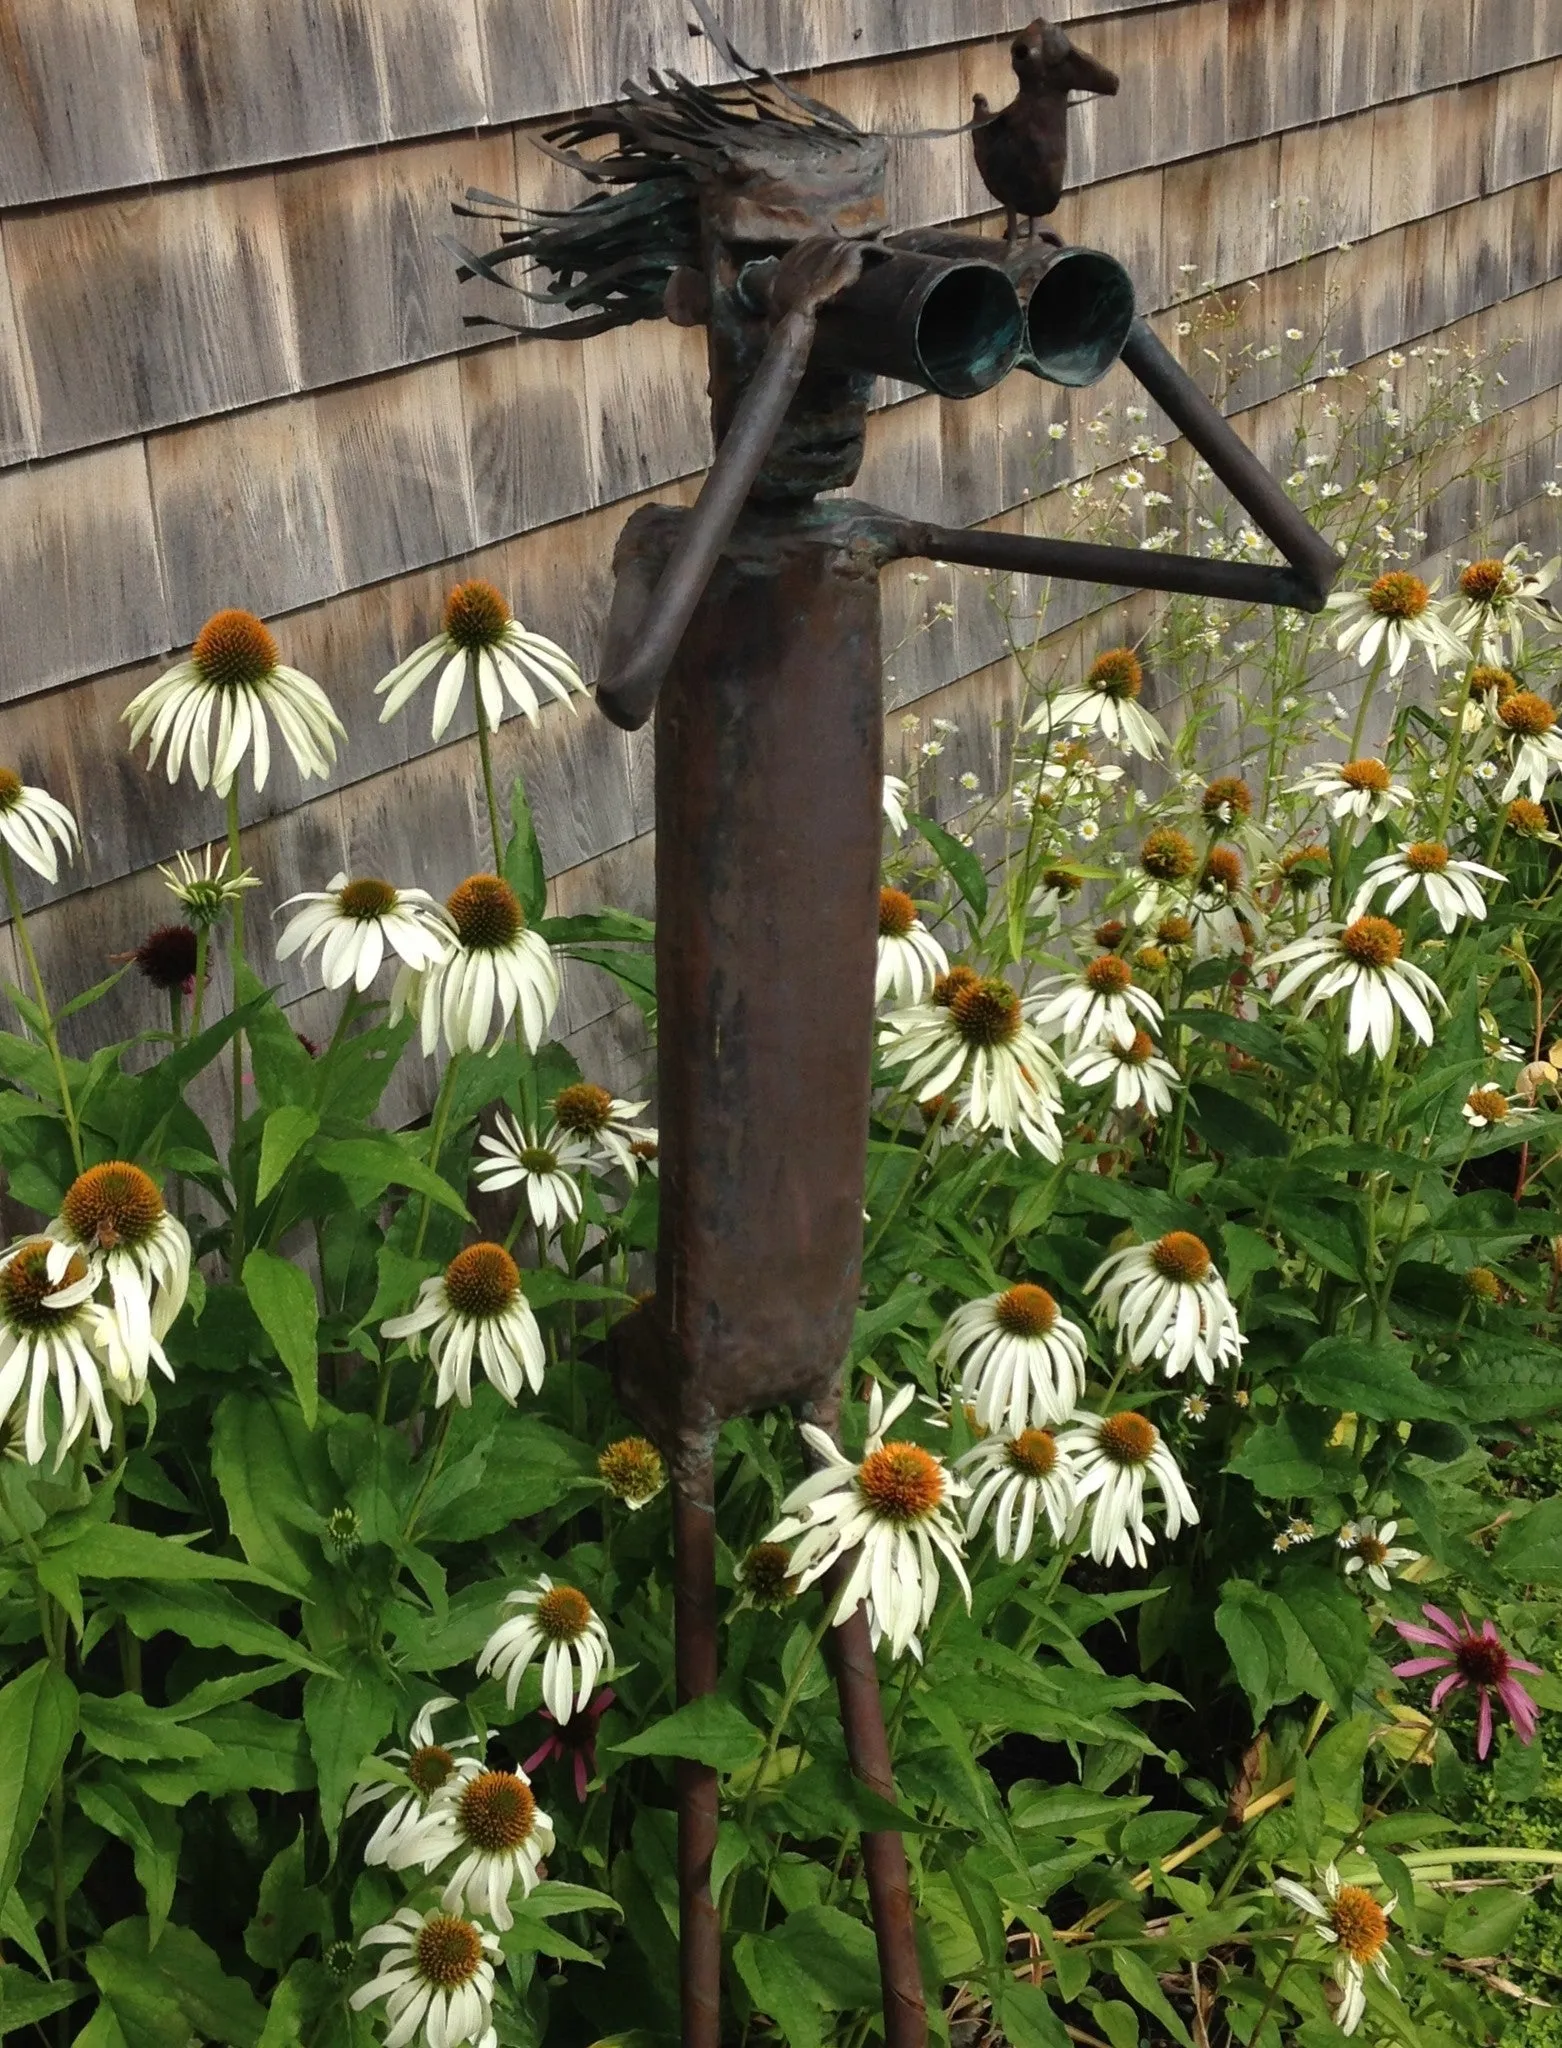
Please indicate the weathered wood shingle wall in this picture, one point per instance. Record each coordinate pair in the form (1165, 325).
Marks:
(233, 369)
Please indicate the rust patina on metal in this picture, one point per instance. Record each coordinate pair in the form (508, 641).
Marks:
(750, 627)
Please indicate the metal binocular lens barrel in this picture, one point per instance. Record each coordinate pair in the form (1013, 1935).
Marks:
(952, 326)
(1077, 317)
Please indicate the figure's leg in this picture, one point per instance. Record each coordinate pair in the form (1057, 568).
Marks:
(695, 1657)
(1011, 230)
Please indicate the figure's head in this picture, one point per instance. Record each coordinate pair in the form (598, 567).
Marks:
(1043, 56)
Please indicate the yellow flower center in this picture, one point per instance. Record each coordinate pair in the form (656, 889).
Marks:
(448, 1951)
(496, 1812)
(1483, 1284)
(1399, 595)
(1526, 816)
(767, 1575)
(1304, 867)
(112, 1204)
(1372, 941)
(897, 913)
(10, 788)
(1033, 1452)
(901, 1482)
(25, 1282)
(1359, 1923)
(583, 1108)
(1128, 1438)
(1025, 1311)
(987, 1014)
(1490, 1103)
(429, 1767)
(482, 1281)
(366, 901)
(564, 1614)
(1483, 581)
(1151, 960)
(1366, 774)
(1137, 1050)
(1167, 856)
(1107, 975)
(1116, 673)
(234, 650)
(1175, 930)
(1223, 869)
(1483, 680)
(1179, 1255)
(1426, 857)
(487, 913)
(947, 986)
(1228, 796)
(632, 1469)
(1527, 715)
(475, 615)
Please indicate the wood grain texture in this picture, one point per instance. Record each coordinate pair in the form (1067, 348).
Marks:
(18, 405)
(75, 108)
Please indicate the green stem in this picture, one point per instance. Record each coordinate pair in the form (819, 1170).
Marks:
(1454, 766)
(1274, 1989)
(202, 948)
(783, 1713)
(40, 997)
(176, 1016)
(436, 1142)
(935, 1124)
(485, 755)
(236, 960)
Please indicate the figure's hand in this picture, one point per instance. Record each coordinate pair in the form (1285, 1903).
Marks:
(813, 272)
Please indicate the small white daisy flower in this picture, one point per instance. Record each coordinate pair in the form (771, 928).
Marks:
(33, 824)
(1485, 1108)
(897, 798)
(1021, 1361)
(973, 1034)
(1138, 1076)
(1019, 1479)
(1363, 958)
(1361, 790)
(895, 1510)
(1536, 743)
(205, 891)
(484, 641)
(560, 1624)
(1370, 1547)
(1107, 701)
(1499, 597)
(545, 1167)
(437, 1974)
(425, 1766)
(1167, 1302)
(588, 1113)
(490, 1822)
(115, 1218)
(1350, 1919)
(352, 923)
(475, 1310)
(1451, 887)
(1101, 1003)
(235, 670)
(910, 958)
(1195, 1408)
(1114, 1456)
(1396, 613)
(51, 1332)
(496, 970)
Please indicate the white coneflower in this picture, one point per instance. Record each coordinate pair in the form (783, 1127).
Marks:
(633, 1471)
(973, 1033)
(1021, 1361)
(475, 1310)
(1537, 745)
(1350, 1919)
(437, 1974)
(51, 1331)
(910, 958)
(1362, 957)
(351, 923)
(1167, 1302)
(490, 1822)
(897, 796)
(1107, 701)
(1101, 1002)
(33, 823)
(1114, 1456)
(1369, 1547)
(1499, 596)
(1019, 1478)
(1451, 887)
(496, 971)
(1138, 1076)
(1486, 1107)
(234, 670)
(1398, 614)
(207, 890)
(545, 1167)
(115, 1218)
(1222, 912)
(560, 1624)
(1362, 790)
(894, 1510)
(484, 640)
(588, 1113)
(424, 1766)
(1486, 690)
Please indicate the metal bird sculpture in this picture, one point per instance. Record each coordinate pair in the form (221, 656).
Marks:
(1022, 151)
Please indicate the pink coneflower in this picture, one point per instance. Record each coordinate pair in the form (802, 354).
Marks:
(577, 1738)
(1467, 1657)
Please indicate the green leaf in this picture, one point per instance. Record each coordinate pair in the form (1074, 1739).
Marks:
(1331, 1618)
(122, 1725)
(255, 1752)
(287, 1131)
(1484, 1923)
(16, 1924)
(283, 1297)
(1144, 1988)
(289, 1911)
(709, 1730)
(1026, 2015)
(179, 1979)
(838, 1953)
(210, 1617)
(1529, 1550)
(1273, 1659)
(152, 1833)
(276, 1483)
(369, 1165)
(347, 1718)
(523, 868)
(1285, 1457)
(114, 1550)
(961, 864)
(1232, 1127)
(26, 1999)
(605, 925)
(104, 2031)
(1259, 1041)
(38, 1713)
(524, 1472)
(1352, 1376)
(782, 1988)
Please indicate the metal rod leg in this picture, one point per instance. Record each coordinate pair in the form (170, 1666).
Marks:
(695, 1659)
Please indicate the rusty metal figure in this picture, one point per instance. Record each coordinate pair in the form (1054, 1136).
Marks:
(1022, 151)
(751, 627)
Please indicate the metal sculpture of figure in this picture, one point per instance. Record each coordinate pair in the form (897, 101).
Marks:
(1022, 151)
(750, 625)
